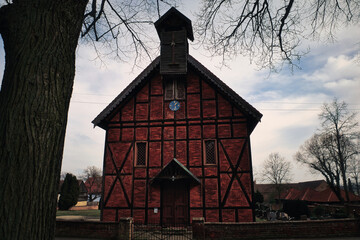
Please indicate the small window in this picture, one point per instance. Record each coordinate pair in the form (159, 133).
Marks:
(174, 89)
(141, 154)
(210, 151)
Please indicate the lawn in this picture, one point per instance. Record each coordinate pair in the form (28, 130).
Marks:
(85, 213)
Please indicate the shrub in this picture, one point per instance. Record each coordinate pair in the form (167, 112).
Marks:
(296, 208)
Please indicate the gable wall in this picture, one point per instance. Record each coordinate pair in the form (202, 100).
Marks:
(205, 114)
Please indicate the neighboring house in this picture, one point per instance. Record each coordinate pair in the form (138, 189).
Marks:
(320, 194)
(93, 186)
(311, 192)
(177, 141)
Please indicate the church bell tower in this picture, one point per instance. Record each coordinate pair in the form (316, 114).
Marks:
(174, 29)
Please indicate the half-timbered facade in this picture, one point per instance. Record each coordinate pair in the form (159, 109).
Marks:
(177, 141)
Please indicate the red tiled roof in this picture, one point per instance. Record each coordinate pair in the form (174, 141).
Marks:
(311, 195)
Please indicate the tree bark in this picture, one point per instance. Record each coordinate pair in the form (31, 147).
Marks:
(40, 39)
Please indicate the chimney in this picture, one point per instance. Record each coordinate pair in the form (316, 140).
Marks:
(174, 29)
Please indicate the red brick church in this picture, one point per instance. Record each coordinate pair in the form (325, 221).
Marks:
(177, 141)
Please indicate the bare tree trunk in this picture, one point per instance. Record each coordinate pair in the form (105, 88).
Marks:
(342, 163)
(337, 190)
(357, 186)
(40, 39)
(346, 187)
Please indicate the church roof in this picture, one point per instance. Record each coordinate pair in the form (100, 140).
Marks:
(206, 74)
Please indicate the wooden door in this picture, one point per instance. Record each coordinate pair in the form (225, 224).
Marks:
(175, 204)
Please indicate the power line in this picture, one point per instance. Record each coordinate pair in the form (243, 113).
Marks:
(96, 94)
(298, 103)
(296, 109)
(88, 102)
(260, 109)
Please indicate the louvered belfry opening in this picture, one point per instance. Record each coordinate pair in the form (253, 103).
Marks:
(174, 50)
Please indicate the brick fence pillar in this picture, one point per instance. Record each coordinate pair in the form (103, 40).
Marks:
(198, 228)
(125, 230)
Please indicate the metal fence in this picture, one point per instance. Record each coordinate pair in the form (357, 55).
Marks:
(153, 231)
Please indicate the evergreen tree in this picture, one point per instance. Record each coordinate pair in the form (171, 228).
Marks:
(258, 197)
(69, 192)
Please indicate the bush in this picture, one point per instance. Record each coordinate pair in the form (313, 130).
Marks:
(69, 192)
(340, 213)
(258, 197)
(296, 208)
(319, 211)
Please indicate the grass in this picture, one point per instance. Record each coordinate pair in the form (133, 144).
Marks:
(85, 213)
(260, 220)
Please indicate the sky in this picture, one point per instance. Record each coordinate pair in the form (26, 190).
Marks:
(289, 101)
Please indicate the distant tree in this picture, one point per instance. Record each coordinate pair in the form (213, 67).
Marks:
(276, 171)
(331, 150)
(69, 192)
(316, 156)
(270, 32)
(354, 172)
(92, 178)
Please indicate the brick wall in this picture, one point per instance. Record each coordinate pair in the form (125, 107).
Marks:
(277, 230)
(208, 230)
(103, 230)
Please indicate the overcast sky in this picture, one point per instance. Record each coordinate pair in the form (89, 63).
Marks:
(290, 102)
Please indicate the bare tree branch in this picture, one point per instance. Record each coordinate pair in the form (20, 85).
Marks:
(122, 27)
(332, 149)
(270, 32)
(276, 171)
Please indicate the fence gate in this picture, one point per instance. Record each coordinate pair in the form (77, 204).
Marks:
(150, 232)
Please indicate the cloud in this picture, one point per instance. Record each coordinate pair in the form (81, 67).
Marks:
(291, 107)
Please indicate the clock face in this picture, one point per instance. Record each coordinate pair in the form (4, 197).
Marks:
(174, 105)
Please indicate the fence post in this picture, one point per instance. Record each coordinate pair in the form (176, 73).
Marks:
(198, 228)
(125, 229)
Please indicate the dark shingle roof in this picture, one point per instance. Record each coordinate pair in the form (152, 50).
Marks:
(175, 169)
(125, 93)
(163, 22)
(234, 98)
